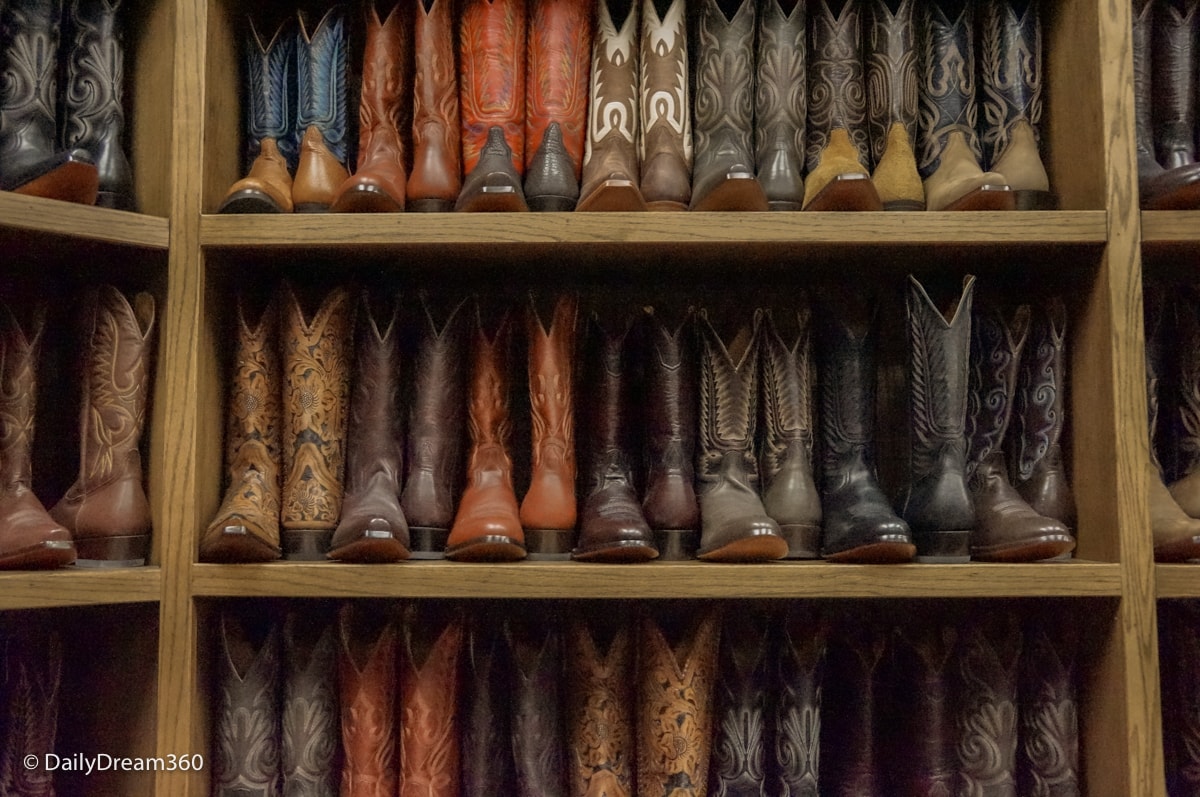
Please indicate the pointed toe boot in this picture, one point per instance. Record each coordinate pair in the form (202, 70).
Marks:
(436, 127)
(798, 673)
(429, 690)
(538, 713)
(309, 710)
(781, 103)
(1048, 758)
(600, 669)
(367, 683)
(321, 111)
(246, 722)
(665, 151)
(986, 665)
(890, 52)
(740, 726)
(924, 662)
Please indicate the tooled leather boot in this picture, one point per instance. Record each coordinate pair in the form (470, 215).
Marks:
(612, 526)
(848, 761)
(538, 724)
(610, 156)
(106, 509)
(309, 738)
(29, 537)
(321, 111)
(859, 524)
(372, 526)
(723, 173)
(31, 162)
(31, 664)
(316, 397)
(491, 60)
(734, 525)
(1008, 530)
(436, 427)
(367, 682)
(246, 729)
(890, 52)
(1048, 759)
(429, 728)
(677, 671)
(837, 111)
(487, 526)
(936, 505)
(548, 510)
(600, 707)
(1038, 470)
(799, 672)
(740, 736)
(558, 57)
(669, 420)
(790, 495)
(378, 184)
(437, 154)
(949, 155)
(487, 757)
(665, 150)
(781, 102)
(986, 665)
(927, 763)
(246, 527)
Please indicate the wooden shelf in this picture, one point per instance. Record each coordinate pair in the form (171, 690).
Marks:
(21, 216)
(1177, 580)
(561, 580)
(1166, 227)
(79, 587)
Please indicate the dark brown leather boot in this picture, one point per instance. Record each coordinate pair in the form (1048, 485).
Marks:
(309, 738)
(106, 509)
(31, 663)
(848, 711)
(600, 707)
(612, 526)
(1174, 69)
(29, 537)
(666, 111)
(246, 528)
(936, 505)
(1179, 655)
(799, 670)
(790, 495)
(372, 527)
(925, 754)
(437, 153)
(890, 53)
(367, 679)
(1048, 759)
(1007, 530)
(487, 755)
(246, 725)
(740, 734)
(781, 102)
(986, 664)
(538, 721)
(1183, 451)
(429, 728)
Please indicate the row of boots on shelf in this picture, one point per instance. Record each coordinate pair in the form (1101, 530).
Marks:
(674, 459)
(673, 702)
(687, 104)
(63, 142)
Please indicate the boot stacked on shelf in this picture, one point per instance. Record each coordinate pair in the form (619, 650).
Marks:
(1179, 656)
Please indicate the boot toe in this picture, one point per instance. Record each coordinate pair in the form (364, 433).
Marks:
(752, 540)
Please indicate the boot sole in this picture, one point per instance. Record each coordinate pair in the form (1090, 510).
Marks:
(759, 548)
(986, 197)
(427, 542)
(876, 553)
(430, 205)
(1035, 550)
(236, 544)
(846, 193)
(72, 181)
(493, 199)
(363, 199)
(550, 204)
(249, 202)
(371, 547)
(613, 196)
(119, 551)
(45, 555)
(617, 552)
(488, 548)
(739, 193)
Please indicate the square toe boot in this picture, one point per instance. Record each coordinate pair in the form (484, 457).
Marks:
(986, 669)
(600, 671)
(246, 722)
(106, 509)
(538, 711)
(740, 725)
(429, 707)
(799, 677)
(890, 52)
(665, 151)
(309, 713)
(321, 111)
(367, 685)
(436, 127)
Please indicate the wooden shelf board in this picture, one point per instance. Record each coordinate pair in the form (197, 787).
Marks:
(22, 215)
(560, 580)
(1177, 580)
(79, 587)
(1161, 227)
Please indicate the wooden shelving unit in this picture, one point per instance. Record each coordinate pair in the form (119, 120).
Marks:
(63, 224)
(78, 587)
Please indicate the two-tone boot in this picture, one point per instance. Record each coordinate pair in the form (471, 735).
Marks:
(1007, 528)
(309, 708)
(937, 505)
(548, 511)
(742, 718)
(848, 760)
(436, 127)
(31, 669)
(378, 184)
(246, 730)
(1048, 692)
(538, 712)
(436, 429)
(367, 683)
(372, 527)
(781, 102)
(923, 653)
(799, 673)
(600, 669)
(486, 714)
(321, 111)
(890, 52)
(986, 665)
(106, 509)
(948, 151)
(790, 494)
(734, 524)
(316, 397)
(723, 106)
(429, 688)
(29, 537)
(665, 150)
(246, 526)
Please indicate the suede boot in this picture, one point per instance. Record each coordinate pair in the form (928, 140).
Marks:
(890, 39)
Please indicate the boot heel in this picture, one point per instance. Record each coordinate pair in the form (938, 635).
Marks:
(426, 542)
(1035, 200)
(430, 205)
(549, 544)
(550, 204)
(903, 205)
(312, 207)
(677, 545)
(103, 552)
(306, 545)
(944, 547)
(804, 541)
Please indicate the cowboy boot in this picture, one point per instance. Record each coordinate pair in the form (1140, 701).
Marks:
(669, 405)
(429, 741)
(246, 738)
(890, 53)
(677, 671)
(492, 91)
(926, 763)
(1039, 474)
(29, 538)
(271, 149)
(612, 526)
(859, 524)
(949, 153)
(936, 505)
(437, 154)
(31, 162)
(537, 713)
(780, 103)
(487, 758)
(1008, 529)
(377, 185)
(1048, 761)
(740, 739)
(316, 392)
(837, 112)
(665, 150)
(610, 159)
(799, 670)
(246, 527)
(548, 509)
(559, 49)
(487, 526)
(1174, 67)
(321, 111)
(1185, 432)
(986, 663)
(723, 175)
(372, 526)
(367, 681)
(106, 509)
(734, 525)
(30, 682)
(848, 711)
(1179, 655)
(790, 495)
(600, 707)
(309, 738)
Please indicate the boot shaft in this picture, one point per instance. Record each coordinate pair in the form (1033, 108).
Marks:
(1048, 759)
(613, 109)
(374, 425)
(272, 92)
(537, 720)
(600, 709)
(987, 670)
(383, 121)
(309, 714)
(723, 72)
(487, 413)
(492, 77)
(728, 395)
(740, 741)
(1174, 67)
(429, 677)
(846, 347)
(1010, 72)
(18, 396)
(29, 41)
(996, 346)
(947, 89)
(321, 72)
(487, 755)
(367, 683)
(1143, 23)
(847, 732)
(787, 386)
(781, 100)
(254, 404)
(557, 61)
(923, 663)
(800, 675)
(31, 663)
(246, 728)
(608, 445)
(890, 52)
(837, 97)
(437, 127)
(665, 150)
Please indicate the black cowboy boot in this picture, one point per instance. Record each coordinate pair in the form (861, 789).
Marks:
(890, 53)
(781, 103)
(487, 752)
(848, 760)
(1048, 759)
(799, 670)
(538, 721)
(31, 668)
(924, 660)
(740, 736)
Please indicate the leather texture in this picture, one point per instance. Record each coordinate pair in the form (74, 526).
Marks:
(321, 112)
(1174, 75)
(1183, 435)
(1179, 654)
(246, 755)
(923, 654)
(890, 53)
(31, 666)
(781, 102)
(669, 423)
(367, 683)
(665, 150)
(429, 728)
(494, 185)
(266, 189)
(799, 672)
(487, 755)
(1048, 758)
(987, 666)
(600, 674)
(492, 81)
(836, 79)
(309, 744)
(740, 728)
(436, 124)
(538, 721)
(848, 761)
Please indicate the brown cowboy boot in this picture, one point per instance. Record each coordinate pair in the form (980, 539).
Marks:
(890, 38)
(743, 696)
(924, 660)
(538, 721)
(437, 154)
(665, 150)
(321, 111)
(986, 664)
(246, 527)
(106, 509)
(367, 680)
(31, 664)
(246, 729)
(848, 761)
(799, 674)
(1048, 760)
(429, 729)
(309, 714)
(600, 707)
(781, 102)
